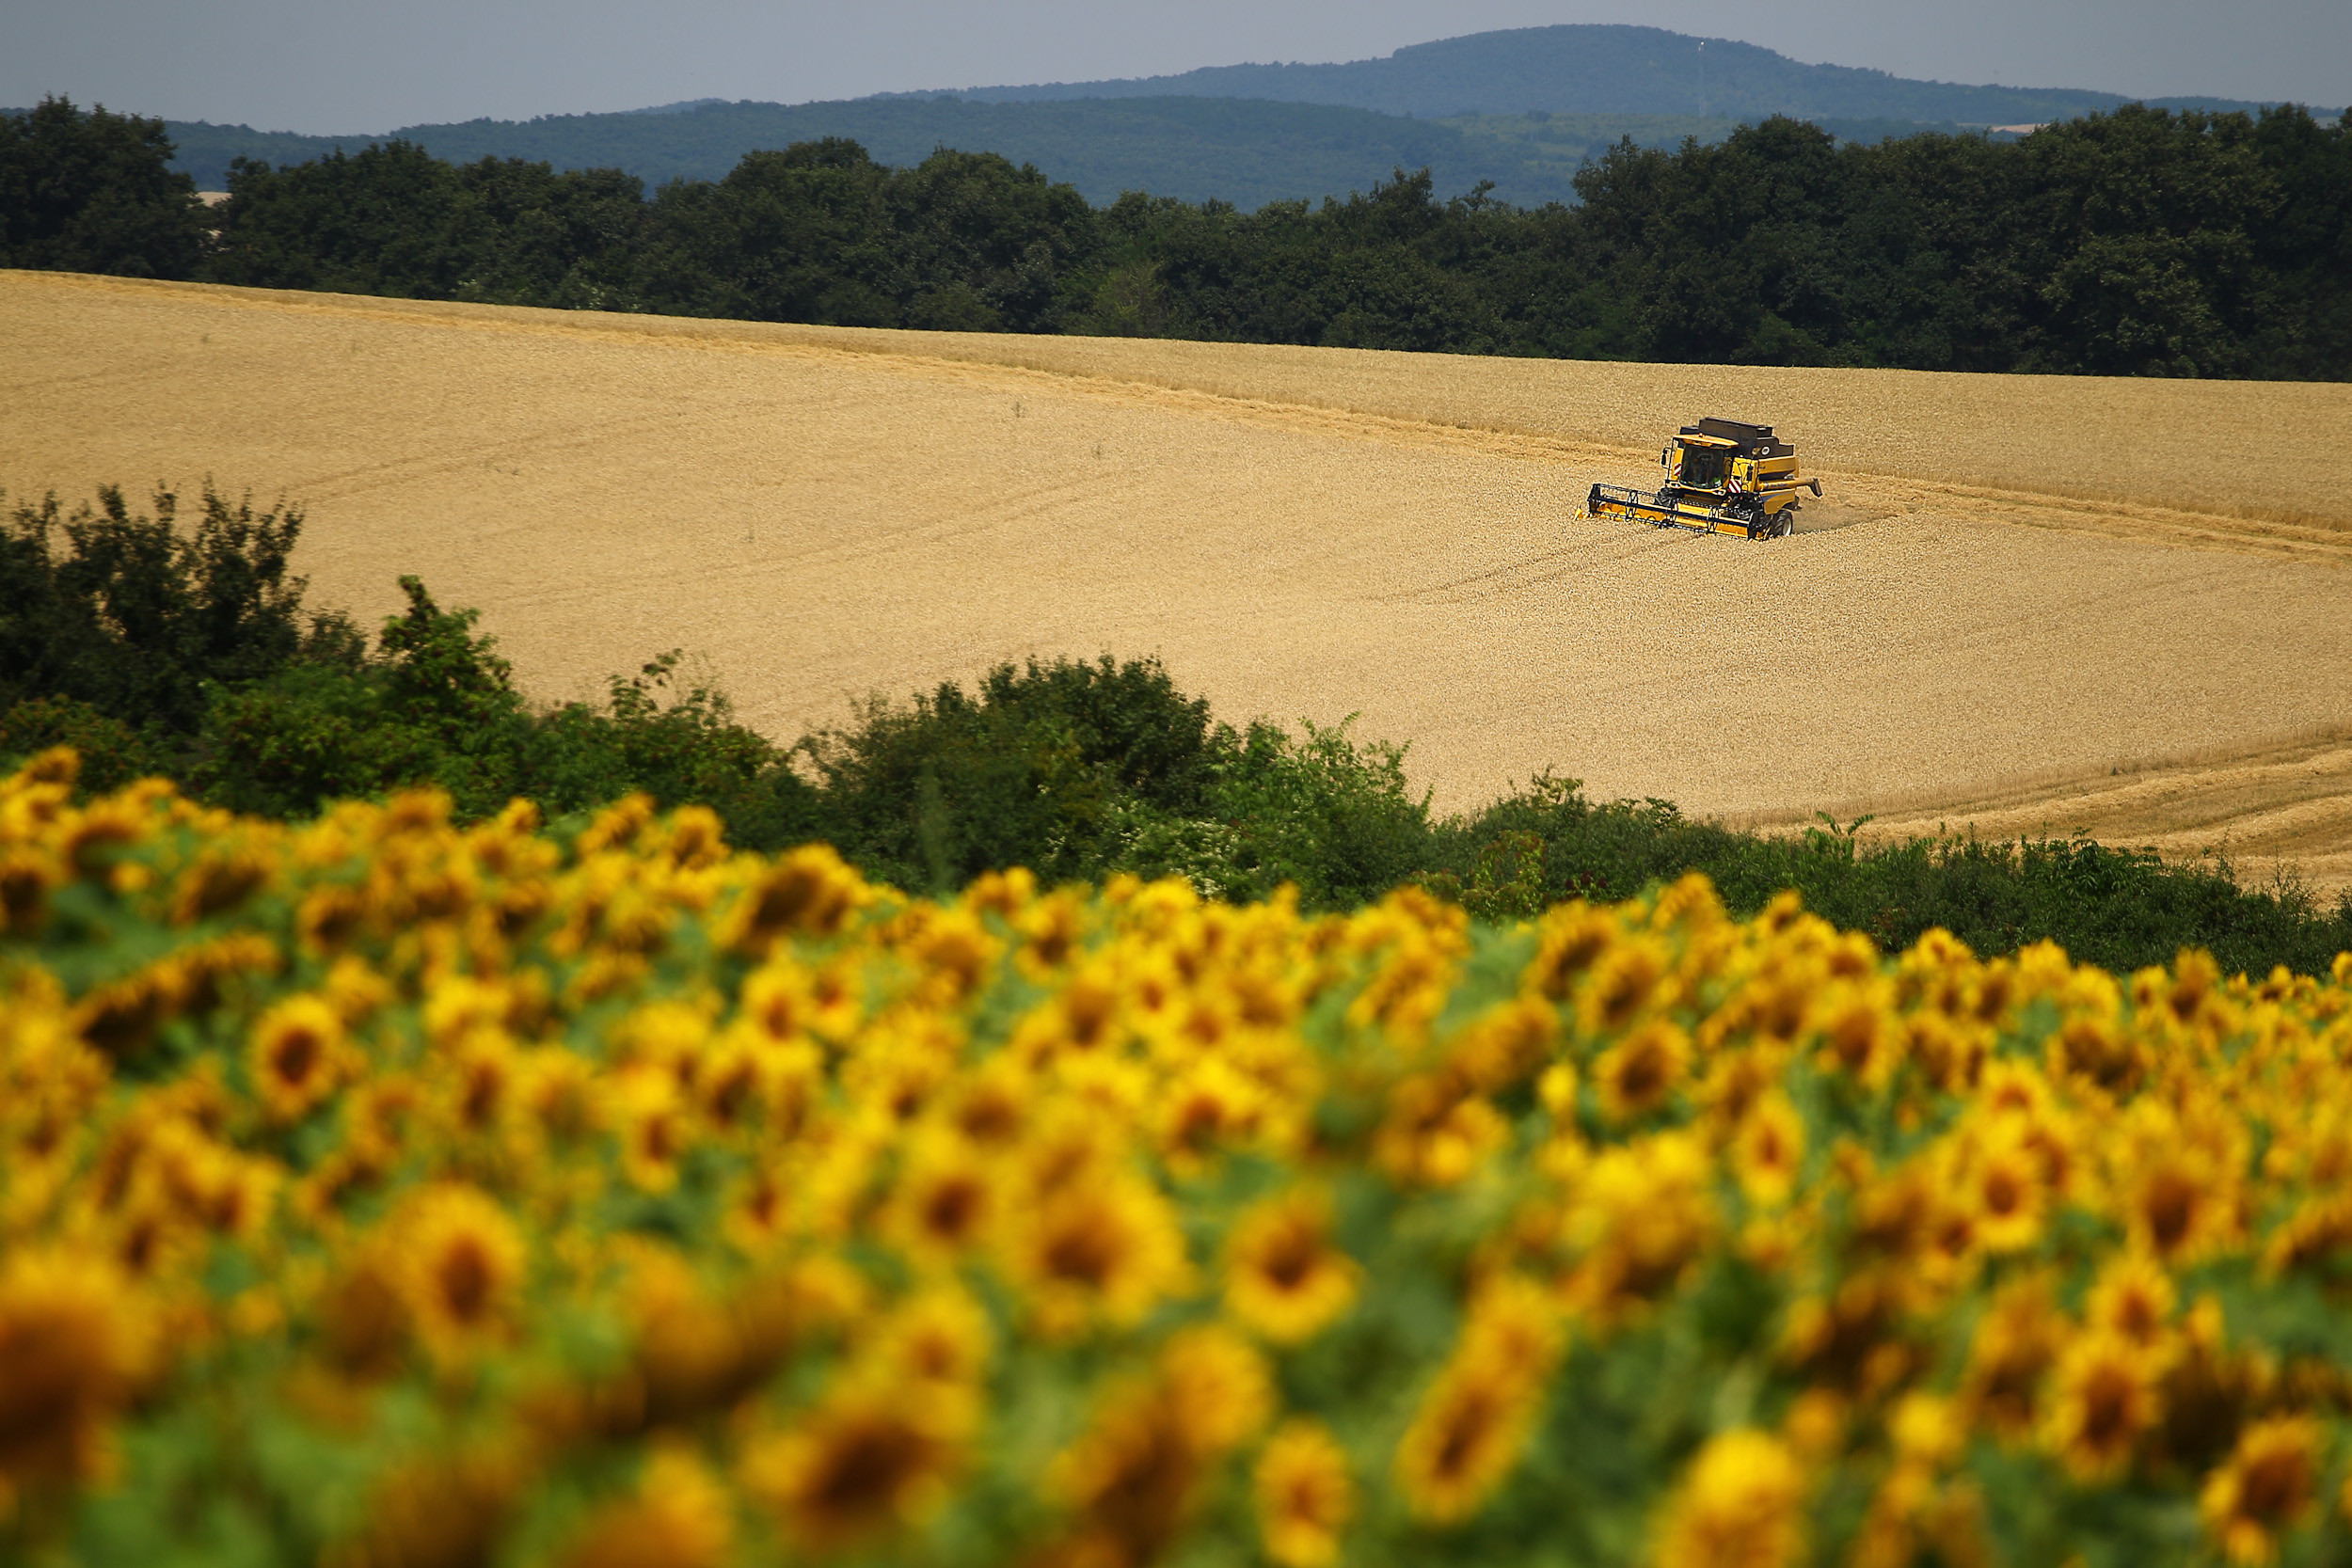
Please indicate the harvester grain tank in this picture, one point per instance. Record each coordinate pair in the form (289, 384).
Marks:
(1722, 477)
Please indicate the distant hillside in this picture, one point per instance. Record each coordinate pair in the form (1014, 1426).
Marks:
(1603, 69)
(1245, 152)
(1522, 108)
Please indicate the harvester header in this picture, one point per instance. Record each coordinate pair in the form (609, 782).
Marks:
(1722, 476)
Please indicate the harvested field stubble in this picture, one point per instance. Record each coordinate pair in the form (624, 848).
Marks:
(2277, 810)
(2026, 577)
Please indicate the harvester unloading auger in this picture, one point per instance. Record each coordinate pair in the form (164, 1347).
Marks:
(1722, 477)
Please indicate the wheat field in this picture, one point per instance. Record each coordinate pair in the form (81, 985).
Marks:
(2030, 603)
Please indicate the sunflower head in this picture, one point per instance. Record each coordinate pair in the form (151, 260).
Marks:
(26, 876)
(1283, 1276)
(462, 1260)
(1640, 1073)
(1216, 1387)
(436, 1509)
(939, 1337)
(869, 1463)
(1106, 1252)
(949, 1201)
(1742, 1501)
(76, 1339)
(1210, 1106)
(2267, 1488)
(2001, 1187)
(1509, 1045)
(810, 892)
(1304, 1496)
(2132, 1299)
(1050, 930)
(990, 1106)
(954, 952)
(1514, 1326)
(649, 1117)
(1464, 1440)
(1131, 1480)
(1569, 940)
(1768, 1150)
(1628, 977)
(2104, 1398)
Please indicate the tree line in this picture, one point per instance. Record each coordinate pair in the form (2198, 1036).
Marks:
(2140, 242)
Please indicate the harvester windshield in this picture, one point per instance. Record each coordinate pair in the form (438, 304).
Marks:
(1703, 468)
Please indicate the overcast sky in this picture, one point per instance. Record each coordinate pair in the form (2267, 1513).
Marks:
(324, 65)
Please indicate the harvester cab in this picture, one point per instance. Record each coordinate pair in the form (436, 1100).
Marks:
(1721, 477)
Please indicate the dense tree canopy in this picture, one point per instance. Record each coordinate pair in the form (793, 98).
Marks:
(94, 192)
(2140, 242)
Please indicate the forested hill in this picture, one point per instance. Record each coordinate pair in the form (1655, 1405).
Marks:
(1523, 109)
(1246, 151)
(1605, 70)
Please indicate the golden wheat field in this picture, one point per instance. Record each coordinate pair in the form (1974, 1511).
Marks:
(2031, 603)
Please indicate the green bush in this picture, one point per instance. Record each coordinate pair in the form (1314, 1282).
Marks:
(134, 615)
(2121, 909)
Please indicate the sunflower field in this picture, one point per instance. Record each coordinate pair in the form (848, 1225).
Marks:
(377, 1191)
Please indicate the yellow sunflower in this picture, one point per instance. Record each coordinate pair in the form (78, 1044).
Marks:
(1304, 1496)
(1509, 1044)
(1107, 1251)
(1132, 1481)
(2103, 1398)
(1628, 976)
(650, 1119)
(2132, 1299)
(1283, 1276)
(778, 1001)
(867, 1463)
(462, 1260)
(76, 1338)
(2001, 1186)
(2266, 1488)
(808, 892)
(948, 1199)
(294, 1059)
(939, 1337)
(1435, 1133)
(1568, 942)
(1465, 1439)
(1741, 1505)
(1768, 1150)
(1640, 1073)
(1217, 1389)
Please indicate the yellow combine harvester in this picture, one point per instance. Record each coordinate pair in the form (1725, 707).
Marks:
(1722, 477)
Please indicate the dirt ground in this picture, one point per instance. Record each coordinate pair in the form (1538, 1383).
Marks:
(2029, 603)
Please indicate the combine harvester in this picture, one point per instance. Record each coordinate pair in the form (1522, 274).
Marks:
(1722, 477)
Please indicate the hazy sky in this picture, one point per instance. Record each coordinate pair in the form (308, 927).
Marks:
(371, 64)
